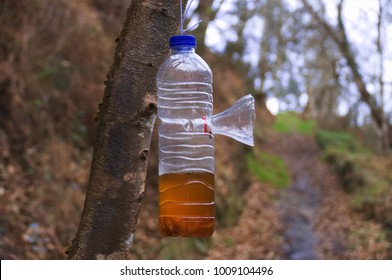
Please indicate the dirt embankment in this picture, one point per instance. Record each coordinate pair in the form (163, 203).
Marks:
(312, 219)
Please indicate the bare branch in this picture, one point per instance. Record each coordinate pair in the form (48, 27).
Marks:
(341, 39)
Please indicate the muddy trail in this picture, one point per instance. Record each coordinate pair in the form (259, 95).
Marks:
(311, 219)
(299, 205)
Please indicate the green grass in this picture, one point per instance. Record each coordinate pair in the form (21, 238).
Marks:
(229, 208)
(364, 175)
(184, 248)
(339, 140)
(290, 122)
(269, 168)
(346, 154)
(347, 166)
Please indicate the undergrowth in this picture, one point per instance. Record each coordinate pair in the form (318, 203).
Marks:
(184, 248)
(269, 168)
(289, 122)
(340, 140)
(363, 174)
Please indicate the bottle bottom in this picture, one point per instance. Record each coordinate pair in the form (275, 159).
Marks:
(186, 204)
(186, 226)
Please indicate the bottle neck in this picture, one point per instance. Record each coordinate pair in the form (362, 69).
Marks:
(182, 49)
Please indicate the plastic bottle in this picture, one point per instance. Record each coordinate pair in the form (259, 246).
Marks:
(186, 140)
(186, 147)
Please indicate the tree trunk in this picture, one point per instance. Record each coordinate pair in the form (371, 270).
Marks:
(204, 11)
(309, 111)
(206, 15)
(125, 123)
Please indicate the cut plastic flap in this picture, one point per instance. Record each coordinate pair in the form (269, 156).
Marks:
(237, 121)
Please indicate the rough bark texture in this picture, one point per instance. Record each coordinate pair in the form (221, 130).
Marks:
(125, 123)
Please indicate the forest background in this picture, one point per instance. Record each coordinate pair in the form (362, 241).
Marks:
(316, 185)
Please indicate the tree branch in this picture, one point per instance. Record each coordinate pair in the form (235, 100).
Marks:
(380, 51)
(377, 113)
(340, 38)
(125, 123)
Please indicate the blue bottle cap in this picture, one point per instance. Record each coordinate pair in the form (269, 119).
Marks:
(182, 40)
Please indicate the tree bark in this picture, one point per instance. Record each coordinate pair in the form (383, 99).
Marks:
(125, 122)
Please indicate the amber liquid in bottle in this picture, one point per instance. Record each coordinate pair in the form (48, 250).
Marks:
(186, 204)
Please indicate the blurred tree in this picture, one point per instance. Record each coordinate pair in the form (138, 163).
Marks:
(206, 15)
(125, 123)
(264, 64)
(339, 35)
(380, 51)
(278, 41)
(110, 12)
(322, 82)
(235, 49)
